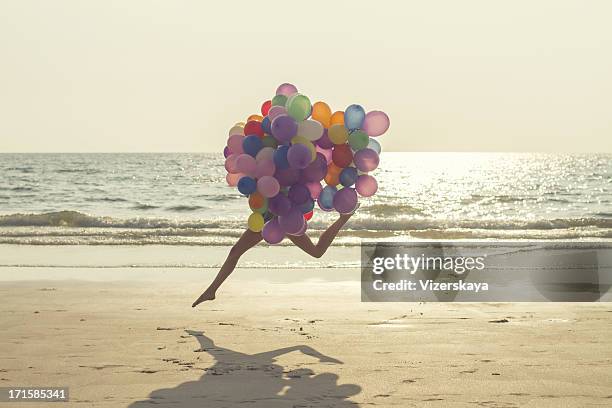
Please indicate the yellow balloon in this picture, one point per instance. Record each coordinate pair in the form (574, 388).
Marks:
(256, 222)
(321, 112)
(338, 134)
(307, 143)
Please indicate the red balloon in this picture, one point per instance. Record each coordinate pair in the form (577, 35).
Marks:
(265, 107)
(253, 128)
(342, 155)
(308, 215)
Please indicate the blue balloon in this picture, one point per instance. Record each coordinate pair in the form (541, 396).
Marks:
(266, 125)
(354, 116)
(374, 145)
(247, 185)
(307, 206)
(280, 157)
(348, 176)
(326, 198)
(252, 145)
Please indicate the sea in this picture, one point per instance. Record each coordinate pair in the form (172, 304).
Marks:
(183, 199)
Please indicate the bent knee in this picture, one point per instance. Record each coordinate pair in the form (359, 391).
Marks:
(317, 253)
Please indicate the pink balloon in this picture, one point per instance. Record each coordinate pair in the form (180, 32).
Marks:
(325, 152)
(315, 189)
(265, 168)
(286, 89)
(233, 178)
(276, 111)
(272, 233)
(366, 160)
(235, 144)
(246, 164)
(268, 186)
(267, 153)
(366, 185)
(230, 164)
(376, 123)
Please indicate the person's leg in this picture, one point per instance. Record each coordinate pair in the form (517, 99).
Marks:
(247, 241)
(325, 240)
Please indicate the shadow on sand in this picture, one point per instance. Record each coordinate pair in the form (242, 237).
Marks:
(255, 380)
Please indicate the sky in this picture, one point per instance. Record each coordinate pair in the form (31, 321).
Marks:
(174, 76)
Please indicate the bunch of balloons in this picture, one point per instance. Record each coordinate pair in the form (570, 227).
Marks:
(280, 158)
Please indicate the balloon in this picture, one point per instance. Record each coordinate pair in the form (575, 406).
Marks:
(348, 176)
(236, 130)
(374, 145)
(252, 144)
(284, 127)
(316, 170)
(298, 106)
(302, 230)
(226, 152)
(275, 111)
(269, 141)
(279, 204)
(376, 123)
(279, 100)
(265, 107)
(310, 129)
(321, 112)
(265, 168)
(266, 125)
(358, 140)
(287, 177)
(366, 185)
(255, 222)
(337, 118)
(257, 118)
(268, 186)
(324, 141)
(235, 144)
(308, 215)
(315, 189)
(353, 117)
(233, 178)
(230, 164)
(299, 194)
(299, 156)
(266, 153)
(286, 89)
(292, 222)
(253, 127)
(326, 198)
(307, 206)
(247, 185)
(246, 164)
(366, 160)
(280, 157)
(337, 134)
(256, 200)
(342, 155)
(272, 232)
(345, 200)
(325, 152)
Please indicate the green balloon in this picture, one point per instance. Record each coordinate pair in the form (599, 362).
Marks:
(298, 107)
(269, 141)
(358, 140)
(279, 100)
(263, 208)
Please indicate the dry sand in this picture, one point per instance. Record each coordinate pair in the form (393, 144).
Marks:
(272, 341)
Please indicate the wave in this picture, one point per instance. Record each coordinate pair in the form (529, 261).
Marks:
(185, 208)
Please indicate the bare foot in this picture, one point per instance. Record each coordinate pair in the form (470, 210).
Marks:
(207, 295)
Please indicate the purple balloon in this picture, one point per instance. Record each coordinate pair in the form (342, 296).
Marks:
(287, 177)
(345, 200)
(279, 204)
(272, 232)
(292, 222)
(316, 170)
(366, 185)
(324, 141)
(226, 152)
(284, 127)
(286, 89)
(276, 111)
(302, 230)
(299, 194)
(366, 160)
(299, 156)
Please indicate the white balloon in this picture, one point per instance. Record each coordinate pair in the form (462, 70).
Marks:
(310, 129)
(237, 130)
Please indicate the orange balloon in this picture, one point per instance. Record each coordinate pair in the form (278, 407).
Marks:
(257, 118)
(321, 112)
(337, 118)
(332, 179)
(333, 169)
(256, 200)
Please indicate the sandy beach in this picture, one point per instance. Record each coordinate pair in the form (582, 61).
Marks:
(123, 337)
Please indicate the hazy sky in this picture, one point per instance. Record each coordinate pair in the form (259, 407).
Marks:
(176, 75)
